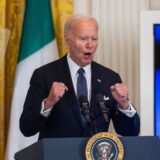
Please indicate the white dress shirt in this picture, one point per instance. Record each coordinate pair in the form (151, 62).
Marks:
(73, 67)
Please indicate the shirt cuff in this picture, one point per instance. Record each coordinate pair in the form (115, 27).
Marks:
(47, 112)
(129, 112)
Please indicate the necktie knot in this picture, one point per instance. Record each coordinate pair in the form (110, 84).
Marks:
(80, 71)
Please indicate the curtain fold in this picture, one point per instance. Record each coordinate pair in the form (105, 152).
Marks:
(2, 84)
(11, 14)
(14, 19)
(62, 10)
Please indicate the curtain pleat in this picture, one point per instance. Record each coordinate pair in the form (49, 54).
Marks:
(62, 10)
(2, 85)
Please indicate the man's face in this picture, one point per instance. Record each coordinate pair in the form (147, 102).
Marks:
(83, 41)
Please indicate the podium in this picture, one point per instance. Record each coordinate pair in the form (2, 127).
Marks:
(135, 148)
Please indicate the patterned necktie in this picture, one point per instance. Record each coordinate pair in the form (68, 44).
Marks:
(81, 84)
(82, 90)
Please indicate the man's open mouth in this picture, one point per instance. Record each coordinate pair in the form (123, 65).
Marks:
(87, 54)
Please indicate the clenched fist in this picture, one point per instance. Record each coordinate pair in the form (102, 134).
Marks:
(56, 93)
(120, 94)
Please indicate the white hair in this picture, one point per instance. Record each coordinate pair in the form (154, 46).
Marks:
(68, 27)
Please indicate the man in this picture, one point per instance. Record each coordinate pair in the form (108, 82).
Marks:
(51, 106)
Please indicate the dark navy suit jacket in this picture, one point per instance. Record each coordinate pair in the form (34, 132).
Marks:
(65, 119)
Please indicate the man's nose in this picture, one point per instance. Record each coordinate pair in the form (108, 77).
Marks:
(89, 43)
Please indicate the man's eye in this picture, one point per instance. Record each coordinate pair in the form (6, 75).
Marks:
(82, 38)
(94, 39)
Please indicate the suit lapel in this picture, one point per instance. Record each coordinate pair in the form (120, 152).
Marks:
(97, 82)
(71, 99)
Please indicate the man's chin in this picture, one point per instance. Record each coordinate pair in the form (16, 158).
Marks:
(87, 62)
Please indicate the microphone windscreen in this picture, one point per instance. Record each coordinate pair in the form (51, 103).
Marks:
(99, 98)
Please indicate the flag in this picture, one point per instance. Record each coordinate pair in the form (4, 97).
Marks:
(37, 47)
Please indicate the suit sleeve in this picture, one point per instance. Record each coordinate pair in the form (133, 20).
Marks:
(124, 125)
(31, 120)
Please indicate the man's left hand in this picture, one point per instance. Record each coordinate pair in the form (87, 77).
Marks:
(120, 94)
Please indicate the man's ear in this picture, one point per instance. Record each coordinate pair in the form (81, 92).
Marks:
(66, 40)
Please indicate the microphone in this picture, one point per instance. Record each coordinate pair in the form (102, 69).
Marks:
(84, 105)
(89, 117)
(100, 102)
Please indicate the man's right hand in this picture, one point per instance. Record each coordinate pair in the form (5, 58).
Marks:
(56, 93)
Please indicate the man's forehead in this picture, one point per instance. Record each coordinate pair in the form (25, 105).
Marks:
(84, 22)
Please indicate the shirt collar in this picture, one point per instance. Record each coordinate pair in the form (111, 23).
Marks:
(74, 67)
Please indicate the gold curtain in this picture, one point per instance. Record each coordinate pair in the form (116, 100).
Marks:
(11, 17)
(62, 10)
(2, 84)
